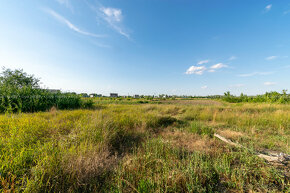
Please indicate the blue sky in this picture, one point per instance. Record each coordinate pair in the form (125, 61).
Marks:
(196, 47)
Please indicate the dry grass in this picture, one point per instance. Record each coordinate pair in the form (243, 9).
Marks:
(88, 167)
(191, 142)
(230, 134)
(143, 148)
(195, 102)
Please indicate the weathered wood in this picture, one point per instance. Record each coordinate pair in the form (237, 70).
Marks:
(227, 141)
(280, 158)
(268, 158)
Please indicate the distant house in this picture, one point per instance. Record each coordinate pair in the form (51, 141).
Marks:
(136, 96)
(95, 95)
(113, 94)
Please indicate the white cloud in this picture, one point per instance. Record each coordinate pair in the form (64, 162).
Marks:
(202, 62)
(269, 83)
(201, 69)
(114, 17)
(218, 66)
(232, 58)
(255, 73)
(70, 25)
(112, 13)
(271, 57)
(213, 68)
(204, 87)
(268, 7)
(196, 70)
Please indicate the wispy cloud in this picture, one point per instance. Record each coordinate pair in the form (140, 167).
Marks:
(196, 70)
(114, 17)
(268, 7)
(111, 16)
(204, 87)
(232, 58)
(255, 73)
(112, 13)
(219, 65)
(201, 69)
(271, 57)
(269, 83)
(70, 25)
(203, 62)
(213, 68)
(66, 3)
(101, 45)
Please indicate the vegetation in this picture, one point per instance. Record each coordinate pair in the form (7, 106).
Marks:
(20, 92)
(145, 144)
(166, 147)
(269, 97)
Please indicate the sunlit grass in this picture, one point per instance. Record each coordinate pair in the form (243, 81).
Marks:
(144, 148)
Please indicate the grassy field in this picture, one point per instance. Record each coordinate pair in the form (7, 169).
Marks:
(153, 146)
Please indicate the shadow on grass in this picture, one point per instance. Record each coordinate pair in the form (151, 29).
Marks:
(124, 141)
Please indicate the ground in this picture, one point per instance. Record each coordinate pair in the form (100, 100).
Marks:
(129, 146)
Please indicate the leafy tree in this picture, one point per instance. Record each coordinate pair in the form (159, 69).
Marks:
(21, 92)
(18, 79)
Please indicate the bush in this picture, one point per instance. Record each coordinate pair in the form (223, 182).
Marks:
(268, 97)
(87, 104)
(20, 92)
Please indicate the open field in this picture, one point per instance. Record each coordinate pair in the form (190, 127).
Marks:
(159, 146)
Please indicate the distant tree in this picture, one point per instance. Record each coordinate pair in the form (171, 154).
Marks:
(17, 79)
(227, 94)
(84, 95)
(21, 92)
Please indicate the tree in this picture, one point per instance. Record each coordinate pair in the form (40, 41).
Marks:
(17, 79)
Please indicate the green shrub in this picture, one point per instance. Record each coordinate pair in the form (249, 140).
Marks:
(20, 92)
(198, 128)
(268, 97)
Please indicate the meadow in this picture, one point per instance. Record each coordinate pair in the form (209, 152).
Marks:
(126, 145)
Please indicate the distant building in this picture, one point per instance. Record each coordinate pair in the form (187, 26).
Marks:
(136, 96)
(113, 94)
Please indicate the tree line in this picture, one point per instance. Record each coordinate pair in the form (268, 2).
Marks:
(21, 92)
(268, 97)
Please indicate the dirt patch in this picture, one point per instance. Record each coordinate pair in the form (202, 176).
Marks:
(192, 142)
(194, 102)
(233, 135)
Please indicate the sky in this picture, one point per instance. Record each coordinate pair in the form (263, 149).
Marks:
(175, 47)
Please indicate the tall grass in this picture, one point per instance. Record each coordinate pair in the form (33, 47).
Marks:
(139, 148)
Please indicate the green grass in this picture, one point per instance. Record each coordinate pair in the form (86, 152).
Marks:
(136, 147)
